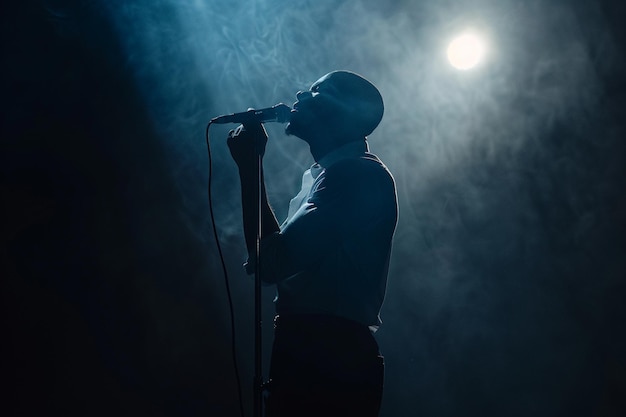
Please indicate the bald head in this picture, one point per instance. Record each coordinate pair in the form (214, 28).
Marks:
(339, 108)
(354, 99)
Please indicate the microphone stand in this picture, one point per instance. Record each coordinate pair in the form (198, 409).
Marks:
(277, 113)
(258, 317)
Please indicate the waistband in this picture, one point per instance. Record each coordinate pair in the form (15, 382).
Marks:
(324, 320)
(324, 331)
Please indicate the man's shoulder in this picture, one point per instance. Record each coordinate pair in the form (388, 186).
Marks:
(364, 185)
(360, 174)
(366, 165)
(364, 162)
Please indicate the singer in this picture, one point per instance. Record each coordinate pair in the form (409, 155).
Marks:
(329, 259)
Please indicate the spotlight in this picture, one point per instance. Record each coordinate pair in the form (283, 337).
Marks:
(465, 51)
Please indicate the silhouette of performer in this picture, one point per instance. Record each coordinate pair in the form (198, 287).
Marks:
(329, 259)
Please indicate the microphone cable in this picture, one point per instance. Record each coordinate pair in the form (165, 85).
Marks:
(225, 272)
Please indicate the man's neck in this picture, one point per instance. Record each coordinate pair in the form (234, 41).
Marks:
(319, 149)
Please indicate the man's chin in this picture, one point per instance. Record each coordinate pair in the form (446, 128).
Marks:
(297, 129)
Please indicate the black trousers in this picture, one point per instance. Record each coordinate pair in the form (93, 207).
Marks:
(323, 366)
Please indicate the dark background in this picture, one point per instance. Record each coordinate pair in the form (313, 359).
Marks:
(506, 292)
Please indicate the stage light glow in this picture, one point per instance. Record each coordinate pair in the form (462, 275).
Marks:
(465, 51)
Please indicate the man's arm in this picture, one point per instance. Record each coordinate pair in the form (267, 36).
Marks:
(246, 144)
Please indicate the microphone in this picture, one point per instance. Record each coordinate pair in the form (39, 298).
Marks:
(280, 113)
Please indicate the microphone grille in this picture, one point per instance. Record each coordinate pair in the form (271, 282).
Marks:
(283, 113)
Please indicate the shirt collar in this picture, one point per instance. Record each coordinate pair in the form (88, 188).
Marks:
(349, 150)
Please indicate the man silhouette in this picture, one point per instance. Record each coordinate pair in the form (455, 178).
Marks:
(329, 259)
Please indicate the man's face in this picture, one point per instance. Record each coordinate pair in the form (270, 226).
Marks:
(317, 109)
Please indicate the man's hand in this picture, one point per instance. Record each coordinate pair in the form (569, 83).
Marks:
(246, 143)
